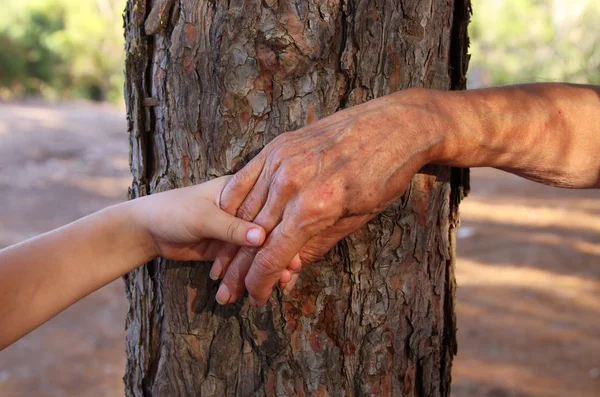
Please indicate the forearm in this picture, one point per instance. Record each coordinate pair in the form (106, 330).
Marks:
(546, 132)
(43, 276)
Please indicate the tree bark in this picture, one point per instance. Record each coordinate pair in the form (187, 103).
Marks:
(209, 82)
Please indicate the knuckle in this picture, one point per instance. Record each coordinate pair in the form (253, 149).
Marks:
(232, 229)
(241, 177)
(278, 150)
(315, 207)
(245, 212)
(322, 206)
(266, 265)
(227, 196)
(280, 140)
(313, 215)
(287, 179)
(282, 149)
(288, 231)
(226, 204)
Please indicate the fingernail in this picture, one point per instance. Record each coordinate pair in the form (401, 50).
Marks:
(223, 295)
(215, 271)
(253, 236)
(252, 301)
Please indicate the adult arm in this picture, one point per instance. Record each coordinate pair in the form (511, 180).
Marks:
(43, 276)
(549, 133)
(310, 188)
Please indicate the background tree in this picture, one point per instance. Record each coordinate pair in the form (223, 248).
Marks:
(62, 49)
(74, 48)
(208, 83)
(517, 41)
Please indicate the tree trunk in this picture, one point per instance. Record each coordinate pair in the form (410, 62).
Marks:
(209, 82)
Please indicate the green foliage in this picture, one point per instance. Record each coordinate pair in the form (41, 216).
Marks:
(12, 60)
(515, 41)
(62, 48)
(74, 48)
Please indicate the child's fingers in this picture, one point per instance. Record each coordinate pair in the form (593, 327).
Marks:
(286, 276)
(225, 227)
(295, 264)
(290, 274)
(224, 256)
(289, 286)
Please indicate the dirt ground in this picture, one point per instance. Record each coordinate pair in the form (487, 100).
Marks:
(528, 268)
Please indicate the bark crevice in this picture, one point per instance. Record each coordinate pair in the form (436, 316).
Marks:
(213, 83)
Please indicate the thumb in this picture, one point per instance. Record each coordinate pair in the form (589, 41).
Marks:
(225, 227)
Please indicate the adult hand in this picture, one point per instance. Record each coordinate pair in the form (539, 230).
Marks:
(312, 187)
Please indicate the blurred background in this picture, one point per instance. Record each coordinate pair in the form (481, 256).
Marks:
(528, 256)
(62, 49)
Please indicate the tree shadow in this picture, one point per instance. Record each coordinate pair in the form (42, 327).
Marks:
(505, 244)
(509, 221)
(524, 342)
(528, 297)
(501, 187)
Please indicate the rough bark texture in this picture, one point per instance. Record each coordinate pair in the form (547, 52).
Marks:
(209, 82)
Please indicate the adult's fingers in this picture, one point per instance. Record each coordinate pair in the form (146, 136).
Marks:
(319, 245)
(255, 200)
(223, 258)
(237, 188)
(232, 286)
(251, 206)
(271, 259)
(291, 272)
(289, 286)
(231, 197)
(234, 273)
(314, 250)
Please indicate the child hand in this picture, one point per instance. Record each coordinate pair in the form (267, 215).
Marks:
(187, 224)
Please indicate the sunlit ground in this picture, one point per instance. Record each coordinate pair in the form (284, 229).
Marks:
(528, 271)
(529, 290)
(59, 163)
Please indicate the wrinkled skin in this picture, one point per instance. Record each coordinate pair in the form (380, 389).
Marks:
(312, 187)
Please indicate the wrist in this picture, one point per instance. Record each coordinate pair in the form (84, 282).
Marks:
(422, 112)
(142, 237)
(445, 127)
